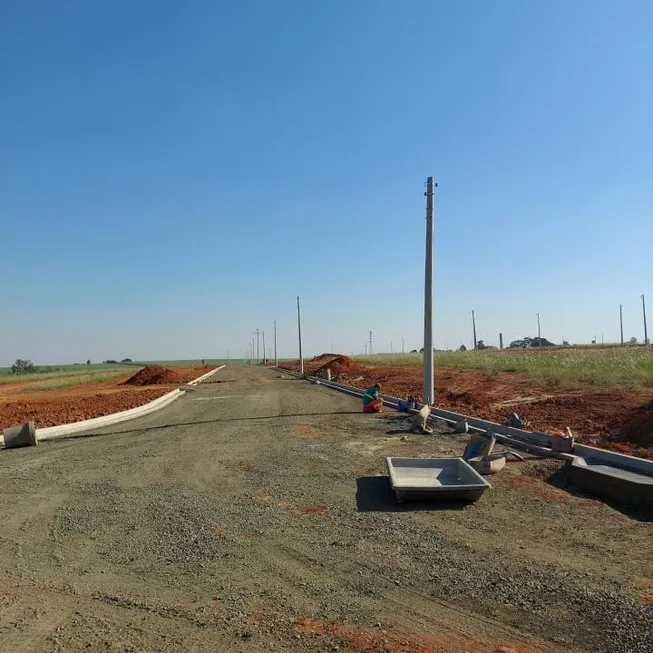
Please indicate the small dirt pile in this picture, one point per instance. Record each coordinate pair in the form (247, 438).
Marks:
(638, 428)
(154, 375)
(342, 367)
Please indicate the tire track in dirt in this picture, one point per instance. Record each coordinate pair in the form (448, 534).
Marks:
(411, 609)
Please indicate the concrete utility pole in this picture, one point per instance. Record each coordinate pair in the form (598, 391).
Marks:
(391, 347)
(644, 314)
(474, 329)
(257, 333)
(428, 391)
(501, 341)
(264, 356)
(371, 350)
(539, 333)
(299, 333)
(621, 322)
(403, 347)
(276, 359)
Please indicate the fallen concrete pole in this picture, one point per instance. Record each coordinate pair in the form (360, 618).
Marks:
(20, 436)
(53, 432)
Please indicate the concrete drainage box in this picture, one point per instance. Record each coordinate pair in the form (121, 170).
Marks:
(619, 484)
(435, 479)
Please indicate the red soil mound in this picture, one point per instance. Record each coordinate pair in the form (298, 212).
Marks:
(341, 366)
(154, 375)
(638, 427)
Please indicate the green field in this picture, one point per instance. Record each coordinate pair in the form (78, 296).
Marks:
(68, 380)
(615, 366)
(67, 374)
(55, 377)
(196, 362)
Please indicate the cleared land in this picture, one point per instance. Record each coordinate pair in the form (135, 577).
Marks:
(59, 397)
(253, 515)
(550, 389)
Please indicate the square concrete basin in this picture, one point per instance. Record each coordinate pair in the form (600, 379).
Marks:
(439, 479)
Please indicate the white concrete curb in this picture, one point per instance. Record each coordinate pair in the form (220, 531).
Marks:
(199, 379)
(52, 432)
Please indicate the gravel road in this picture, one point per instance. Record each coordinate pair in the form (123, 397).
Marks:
(253, 515)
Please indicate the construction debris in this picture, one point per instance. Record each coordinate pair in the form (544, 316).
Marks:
(20, 436)
(515, 421)
(420, 423)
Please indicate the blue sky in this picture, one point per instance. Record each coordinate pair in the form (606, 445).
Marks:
(174, 174)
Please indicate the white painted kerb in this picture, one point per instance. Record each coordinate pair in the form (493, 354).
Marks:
(52, 432)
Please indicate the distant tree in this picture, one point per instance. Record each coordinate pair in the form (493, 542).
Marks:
(480, 345)
(632, 341)
(88, 362)
(126, 360)
(462, 348)
(23, 367)
(413, 351)
(110, 361)
(565, 343)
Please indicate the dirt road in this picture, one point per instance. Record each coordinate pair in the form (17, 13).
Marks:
(249, 516)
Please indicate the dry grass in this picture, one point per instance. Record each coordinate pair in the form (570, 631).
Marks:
(615, 366)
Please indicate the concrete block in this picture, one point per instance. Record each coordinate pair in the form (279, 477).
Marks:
(20, 436)
(623, 486)
(441, 479)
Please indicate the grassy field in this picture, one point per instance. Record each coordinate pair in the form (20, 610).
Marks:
(90, 373)
(63, 376)
(618, 366)
(196, 362)
(68, 380)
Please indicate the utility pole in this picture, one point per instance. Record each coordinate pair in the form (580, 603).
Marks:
(539, 333)
(371, 350)
(501, 341)
(474, 329)
(621, 322)
(332, 346)
(299, 333)
(403, 347)
(257, 333)
(644, 314)
(365, 346)
(276, 359)
(391, 347)
(264, 356)
(428, 390)
(228, 357)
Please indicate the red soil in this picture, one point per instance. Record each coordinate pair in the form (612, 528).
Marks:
(615, 418)
(76, 403)
(158, 375)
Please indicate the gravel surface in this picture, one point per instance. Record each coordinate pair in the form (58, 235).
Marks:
(255, 515)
